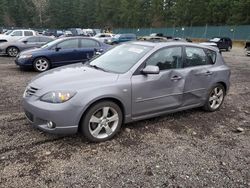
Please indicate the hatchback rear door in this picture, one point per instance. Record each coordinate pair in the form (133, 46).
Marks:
(199, 72)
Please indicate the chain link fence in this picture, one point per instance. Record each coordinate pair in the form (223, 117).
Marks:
(234, 32)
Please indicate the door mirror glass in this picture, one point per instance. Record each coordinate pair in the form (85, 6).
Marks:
(58, 48)
(151, 69)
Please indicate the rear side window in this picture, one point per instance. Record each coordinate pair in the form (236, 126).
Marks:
(195, 57)
(88, 43)
(68, 44)
(28, 33)
(211, 56)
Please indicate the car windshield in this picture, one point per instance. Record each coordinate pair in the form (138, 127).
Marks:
(8, 32)
(121, 58)
(215, 40)
(50, 44)
(117, 36)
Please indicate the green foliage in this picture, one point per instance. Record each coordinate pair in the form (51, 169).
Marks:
(122, 13)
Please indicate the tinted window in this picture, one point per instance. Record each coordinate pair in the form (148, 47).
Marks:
(68, 44)
(28, 33)
(87, 43)
(32, 39)
(17, 33)
(195, 57)
(168, 58)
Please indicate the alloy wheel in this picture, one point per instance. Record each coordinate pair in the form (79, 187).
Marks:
(41, 65)
(13, 52)
(103, 122)
(216, 98)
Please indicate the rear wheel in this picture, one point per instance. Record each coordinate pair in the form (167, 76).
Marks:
(41, 64)
(215, 98)
(102, 121)
(12, 51)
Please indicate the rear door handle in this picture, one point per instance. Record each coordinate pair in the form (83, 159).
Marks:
(176, 78)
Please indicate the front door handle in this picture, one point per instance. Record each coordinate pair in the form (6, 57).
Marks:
(176, 78)
(208, 73)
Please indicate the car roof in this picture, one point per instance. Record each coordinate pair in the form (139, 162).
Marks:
(171, 43)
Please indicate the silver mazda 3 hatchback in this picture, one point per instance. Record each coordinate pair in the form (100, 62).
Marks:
(130, 82)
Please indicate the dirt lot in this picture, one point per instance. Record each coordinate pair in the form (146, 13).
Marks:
(186, 149)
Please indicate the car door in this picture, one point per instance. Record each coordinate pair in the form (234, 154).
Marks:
(32, 42)
(65, 52)
(88, 48)
(15, 35)
(199, 72)
(160, 92)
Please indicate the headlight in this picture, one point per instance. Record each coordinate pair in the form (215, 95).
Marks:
(25, 56)
(57, 96)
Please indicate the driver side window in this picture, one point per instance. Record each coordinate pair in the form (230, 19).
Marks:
(168, 58)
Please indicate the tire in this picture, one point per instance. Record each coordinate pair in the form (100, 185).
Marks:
(102, 121)
(229, 48)
(12, 51)
(41, 64)
(215, 98)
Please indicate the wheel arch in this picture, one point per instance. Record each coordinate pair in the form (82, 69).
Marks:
(224, 85)
(12, 46)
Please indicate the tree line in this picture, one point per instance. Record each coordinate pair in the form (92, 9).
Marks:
(122, 13)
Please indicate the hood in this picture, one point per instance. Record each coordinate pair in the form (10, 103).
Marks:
(73, 77)
(30, 51)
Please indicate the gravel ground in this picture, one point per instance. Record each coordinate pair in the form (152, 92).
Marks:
(187, 149)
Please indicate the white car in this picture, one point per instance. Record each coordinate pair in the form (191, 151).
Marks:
(104, 37)
(17, 34)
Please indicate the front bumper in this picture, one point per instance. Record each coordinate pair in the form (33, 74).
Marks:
(24, 62)
(65, 116)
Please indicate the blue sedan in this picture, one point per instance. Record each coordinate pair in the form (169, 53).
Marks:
(61, 52)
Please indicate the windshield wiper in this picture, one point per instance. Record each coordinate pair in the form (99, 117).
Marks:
(98, 68)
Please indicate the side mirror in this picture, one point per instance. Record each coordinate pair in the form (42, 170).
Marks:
(150, 69)
(58, 48)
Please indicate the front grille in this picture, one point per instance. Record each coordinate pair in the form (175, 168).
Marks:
(30, 91)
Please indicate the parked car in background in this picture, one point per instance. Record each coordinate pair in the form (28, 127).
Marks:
(104, 37)
(160, 35)
(76, 31)
(12, 48)
(223, 43)
(120, 38)
(61, 52)
(247, 48)
(17, 34)
(53, 32)
(131, 82)
(89, 32)
(154, 39)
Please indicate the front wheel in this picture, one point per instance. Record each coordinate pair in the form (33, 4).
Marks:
(215, 98)
(102, 121)
(41, 64)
